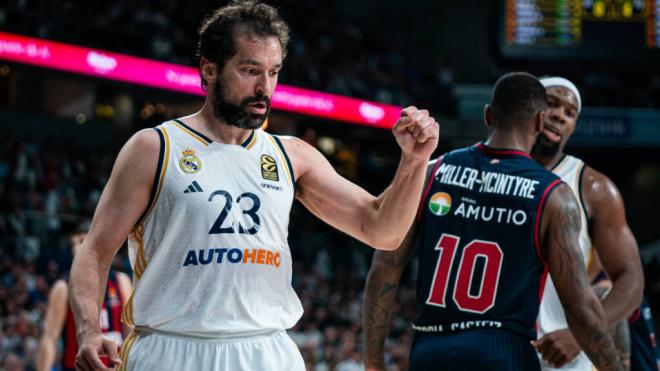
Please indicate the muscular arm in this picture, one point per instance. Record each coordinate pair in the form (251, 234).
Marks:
(124, 199)
(381, 222)
(584, 314)
(53, 323)
(620, 332)
(615, 244)
(379, 296)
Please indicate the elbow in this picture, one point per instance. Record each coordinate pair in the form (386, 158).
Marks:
(386, 243)
(631, 282)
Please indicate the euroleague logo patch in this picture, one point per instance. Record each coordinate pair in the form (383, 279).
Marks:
(190, 163)
(269, 168)
(440, 203)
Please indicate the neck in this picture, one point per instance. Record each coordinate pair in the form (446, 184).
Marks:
(551, 161)
(499, 138)
(205, 122)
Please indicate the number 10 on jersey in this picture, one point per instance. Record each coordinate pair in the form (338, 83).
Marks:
(489, 251)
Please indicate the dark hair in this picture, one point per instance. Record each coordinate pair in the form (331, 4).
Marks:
(517, 98)
(217, 34)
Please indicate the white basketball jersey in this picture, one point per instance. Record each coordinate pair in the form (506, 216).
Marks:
(551, 313)
(210, 255)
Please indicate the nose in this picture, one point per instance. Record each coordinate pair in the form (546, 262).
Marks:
(557, 115)
(264, 85)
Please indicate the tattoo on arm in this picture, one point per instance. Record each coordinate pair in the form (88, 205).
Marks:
(379, 299)
(621, 336)
(583, 312)
(620, 333)
(565, 238)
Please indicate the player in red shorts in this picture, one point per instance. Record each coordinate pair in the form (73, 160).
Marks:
(59, 317)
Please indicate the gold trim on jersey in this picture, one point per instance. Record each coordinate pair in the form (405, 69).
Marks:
(252, 141)
(163, 170)
(126, 349)
(283, 157)
(578, 188)
(140, 258)
(195, 136)
(127, 313)
(558, 168)
(590, 258)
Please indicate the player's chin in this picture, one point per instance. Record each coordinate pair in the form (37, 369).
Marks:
(252, 121)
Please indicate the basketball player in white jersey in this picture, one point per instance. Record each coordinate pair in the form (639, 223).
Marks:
(206, 201)
(605, 231)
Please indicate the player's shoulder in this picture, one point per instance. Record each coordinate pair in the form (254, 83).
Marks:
(302, 155)
(144, 143)
(297, 149)
(597, 186)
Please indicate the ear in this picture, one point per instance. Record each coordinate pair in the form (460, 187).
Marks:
(539, 120)
(208, 70)
(488, 115)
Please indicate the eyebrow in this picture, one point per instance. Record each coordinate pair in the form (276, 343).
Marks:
(566, 102)
(252, 62)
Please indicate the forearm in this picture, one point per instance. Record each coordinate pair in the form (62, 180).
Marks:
(87, 284)
(379, 298)
(395, 209)
(624, 296)
(46, 355)
(588, 325)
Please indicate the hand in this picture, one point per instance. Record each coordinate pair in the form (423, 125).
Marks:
(558, 348)
(416, 133)
(90, 350)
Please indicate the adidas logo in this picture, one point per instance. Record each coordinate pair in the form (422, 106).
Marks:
(194, 187)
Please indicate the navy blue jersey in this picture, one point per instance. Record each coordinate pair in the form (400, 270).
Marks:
(480, 264)
(644, 354)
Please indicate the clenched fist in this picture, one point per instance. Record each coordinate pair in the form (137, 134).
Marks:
(417, 133)
(91, 349)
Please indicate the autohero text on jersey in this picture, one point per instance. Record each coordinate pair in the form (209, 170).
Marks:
(232, 256)
(488, 181)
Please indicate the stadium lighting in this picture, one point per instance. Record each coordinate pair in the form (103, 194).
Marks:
(185, 79)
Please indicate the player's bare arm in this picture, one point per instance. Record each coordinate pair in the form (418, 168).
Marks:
(615, 244)
(123, 201)
(584, 314)
(381, 222)
(620, 332)
(380, 293)
(54, 321)
(379, 297)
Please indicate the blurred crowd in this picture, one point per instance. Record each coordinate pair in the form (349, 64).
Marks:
(327, 51)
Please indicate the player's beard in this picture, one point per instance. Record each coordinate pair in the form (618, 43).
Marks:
(544, 148)
(237, 114)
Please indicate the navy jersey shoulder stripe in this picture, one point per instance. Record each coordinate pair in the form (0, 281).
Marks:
(159, 169)
(288, 163)
(202, 136)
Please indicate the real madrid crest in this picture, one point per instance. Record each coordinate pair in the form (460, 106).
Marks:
(190, 163)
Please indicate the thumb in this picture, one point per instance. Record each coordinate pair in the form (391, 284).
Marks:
(538, 343)
(110, 349)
